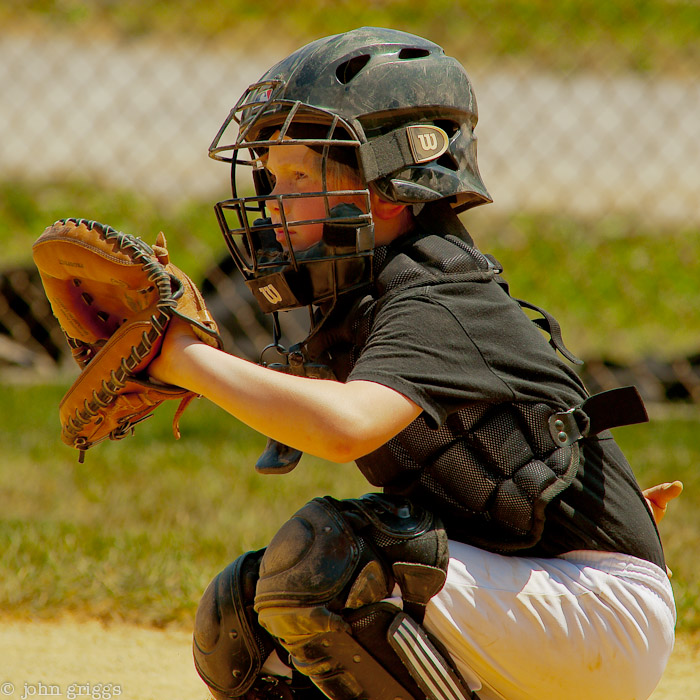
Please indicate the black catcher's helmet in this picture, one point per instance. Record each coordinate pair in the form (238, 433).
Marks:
(392, 105)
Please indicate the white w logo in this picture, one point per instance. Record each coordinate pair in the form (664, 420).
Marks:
(428, 142)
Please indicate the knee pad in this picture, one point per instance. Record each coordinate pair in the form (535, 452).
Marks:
(229, 646)
(345, 554)
(328, 568)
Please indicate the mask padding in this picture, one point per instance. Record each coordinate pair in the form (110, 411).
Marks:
(343, 232)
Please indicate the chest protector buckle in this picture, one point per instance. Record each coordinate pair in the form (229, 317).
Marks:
(608, 409)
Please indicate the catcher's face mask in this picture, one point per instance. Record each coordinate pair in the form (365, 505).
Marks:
(307, 233)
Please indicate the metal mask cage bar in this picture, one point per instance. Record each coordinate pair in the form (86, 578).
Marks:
(282, 113)
(252, 257)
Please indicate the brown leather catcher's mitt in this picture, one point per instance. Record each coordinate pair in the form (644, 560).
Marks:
(113, 296)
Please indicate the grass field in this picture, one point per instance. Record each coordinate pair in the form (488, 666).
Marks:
(137, 531)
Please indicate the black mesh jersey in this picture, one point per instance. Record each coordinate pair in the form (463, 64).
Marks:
(457, 349)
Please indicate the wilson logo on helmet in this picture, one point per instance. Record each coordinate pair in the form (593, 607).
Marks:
(271, 294)
(427, 142)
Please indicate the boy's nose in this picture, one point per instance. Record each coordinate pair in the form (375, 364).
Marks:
(272, 204)
(278, 211)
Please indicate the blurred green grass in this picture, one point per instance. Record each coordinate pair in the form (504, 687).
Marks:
(28, 207)
(638, 35)
(137, 532)
(622, 289)
(139, 529)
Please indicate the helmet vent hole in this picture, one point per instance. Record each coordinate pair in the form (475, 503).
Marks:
(347, 70)
(407, 54)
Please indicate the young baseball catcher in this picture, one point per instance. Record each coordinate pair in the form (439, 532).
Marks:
(509, 552)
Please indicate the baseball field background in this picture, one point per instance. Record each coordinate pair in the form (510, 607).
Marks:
(588, 142)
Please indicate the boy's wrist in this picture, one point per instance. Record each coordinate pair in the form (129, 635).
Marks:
(168, 365)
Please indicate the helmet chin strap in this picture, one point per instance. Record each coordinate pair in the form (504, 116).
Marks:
(345, 227)
(278, 458)
(396, 150)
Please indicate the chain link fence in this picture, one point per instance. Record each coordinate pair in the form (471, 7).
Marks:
(585, 112)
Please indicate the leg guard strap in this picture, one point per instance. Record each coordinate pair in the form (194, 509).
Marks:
(425, 663)
(374, 653)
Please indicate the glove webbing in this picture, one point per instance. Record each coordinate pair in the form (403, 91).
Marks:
(118, 378)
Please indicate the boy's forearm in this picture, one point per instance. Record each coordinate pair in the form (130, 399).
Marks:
(321, 417)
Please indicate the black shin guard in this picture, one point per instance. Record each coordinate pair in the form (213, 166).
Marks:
(383, 653)
(345, 668)
(229, 645)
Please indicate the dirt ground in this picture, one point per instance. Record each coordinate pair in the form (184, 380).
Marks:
(71, 659)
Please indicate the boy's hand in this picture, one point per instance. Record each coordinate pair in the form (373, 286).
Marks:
(164, 366)
(659, 496)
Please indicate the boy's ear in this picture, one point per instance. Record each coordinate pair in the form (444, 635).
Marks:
(384, 209)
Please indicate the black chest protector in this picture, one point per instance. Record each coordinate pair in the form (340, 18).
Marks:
(491, 469)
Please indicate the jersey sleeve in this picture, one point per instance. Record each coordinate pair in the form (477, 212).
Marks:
(418, 348)
(448, 345)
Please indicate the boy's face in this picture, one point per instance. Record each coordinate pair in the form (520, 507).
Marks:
(298, 169)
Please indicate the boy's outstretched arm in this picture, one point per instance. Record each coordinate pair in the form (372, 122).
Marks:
(335, 421)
